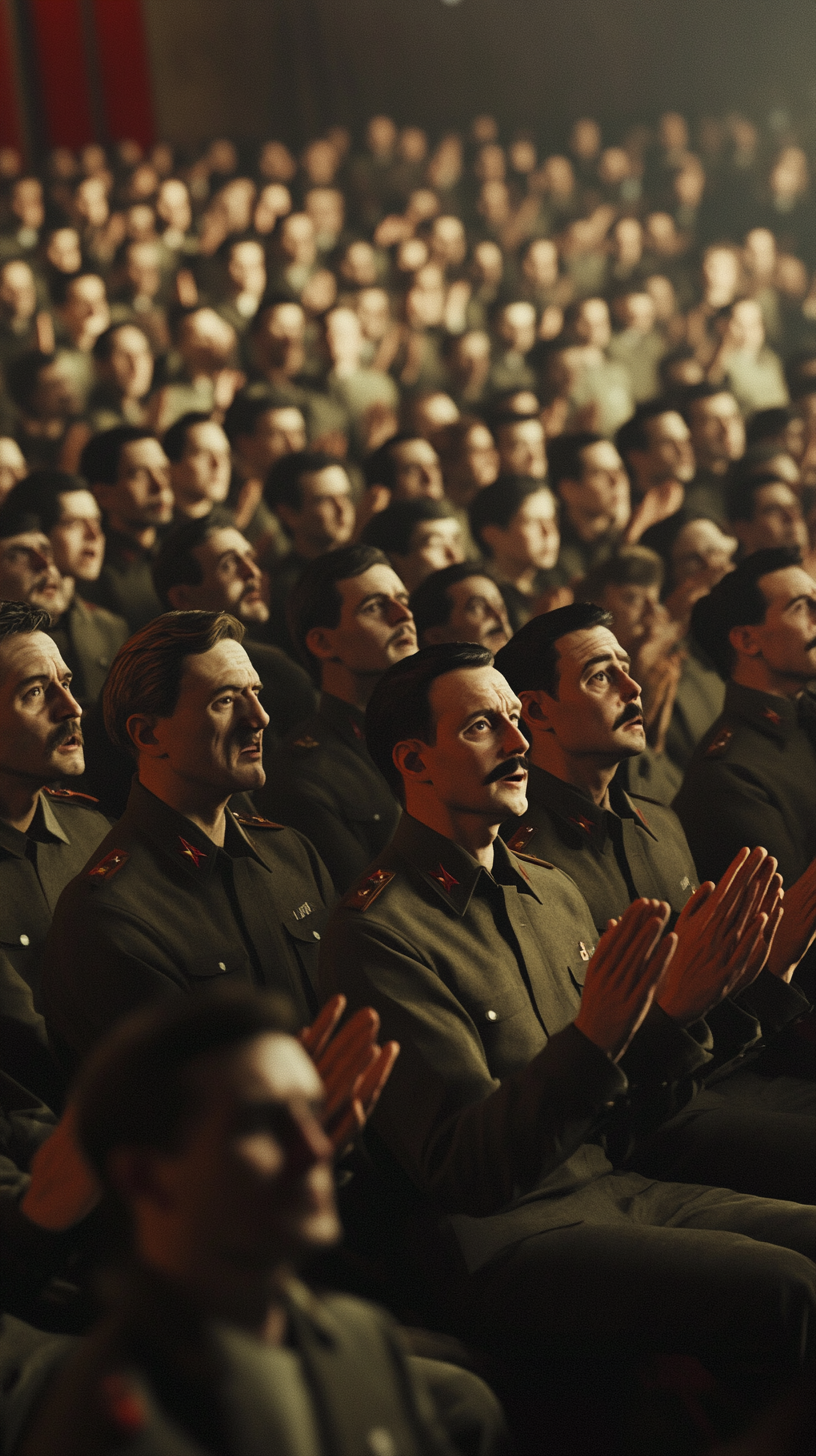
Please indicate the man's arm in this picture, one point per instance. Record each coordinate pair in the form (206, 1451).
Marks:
(721, 808)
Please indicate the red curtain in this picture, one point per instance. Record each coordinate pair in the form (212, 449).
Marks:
(124, 70)
(60, 47)
(10, 128)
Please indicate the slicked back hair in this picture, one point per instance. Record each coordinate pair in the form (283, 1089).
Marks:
(314, 600)
(431, 604)
(146, 673)
(18, 618)
(529, 661)
(400, 708)
(175, 563)
(737, 601)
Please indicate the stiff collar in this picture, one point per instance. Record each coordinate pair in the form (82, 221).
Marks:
(576, 808)
(178, 837)
(343, 719)
(44, 828)
(449, 869)
(770, 714)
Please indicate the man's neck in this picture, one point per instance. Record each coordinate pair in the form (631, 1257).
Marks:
(350, 687)
(250, 1298)
(753, 672)
(589, 527)
(142, 536)
(19, 798)
(521, 576)
(584, 773)
(470, 831)
(196, 801)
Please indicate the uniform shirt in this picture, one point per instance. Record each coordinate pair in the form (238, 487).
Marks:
(752, 781)
(89, 638)
(323, 782)
(161, 909)
(498, 1106)
(125, 584)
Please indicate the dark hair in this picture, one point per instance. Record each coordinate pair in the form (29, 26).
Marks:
(18, 619)
(430, 603)
(175, 439)
(145, 675)
(630, 566)
(741, 489)
(633, 434)
(23, 373)
(498, 503)
(451, 438)
(801, 379)
(737, 601)
(175, 562)
(103, 348)
(244, 412)
(18, 514)
(282, 487)
(399, 706)
(314, 600)
(134, 1090)
(62, 283)
(564, 455)
(693, 392)
(769, 424)
(529, 660)
(391, 530)
(379, 467)
(41, 494)
(99, 461)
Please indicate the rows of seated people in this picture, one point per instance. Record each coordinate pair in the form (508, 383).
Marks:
(265, 433)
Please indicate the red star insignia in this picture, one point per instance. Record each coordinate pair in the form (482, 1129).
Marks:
(190, 852)
(772, 716)
(443, 878)
(356, 730)
(585, 824)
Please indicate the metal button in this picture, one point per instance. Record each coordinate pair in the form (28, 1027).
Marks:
(380, 1442)
(24, 940)
(316, 934)
(222, 966)
(492, 1015)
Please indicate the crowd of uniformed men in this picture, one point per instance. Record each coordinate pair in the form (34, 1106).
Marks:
(407, 607)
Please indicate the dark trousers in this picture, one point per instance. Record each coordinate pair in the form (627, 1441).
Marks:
(672, 1267)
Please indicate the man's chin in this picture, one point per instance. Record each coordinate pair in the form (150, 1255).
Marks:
(68, 763)
(255, 613)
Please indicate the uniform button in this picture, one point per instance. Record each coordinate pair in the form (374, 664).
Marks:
(492, 1015)
(222, 966)
(376, 816)
(24, 940)
(380, 1442)
(316, 934)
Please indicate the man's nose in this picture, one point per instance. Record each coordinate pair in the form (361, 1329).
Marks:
(308, 1143)
(67, 705)
(627, 687)
(248, 570)
(514, 740)
(399, 612)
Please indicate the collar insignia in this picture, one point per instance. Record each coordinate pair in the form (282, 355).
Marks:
(305, 742)
(585, 824)
(357, 730)
(721, 742)
(522, 836)
(108, 866)
(443, 878)
(190, 852)
(772, 716)
(368, 890)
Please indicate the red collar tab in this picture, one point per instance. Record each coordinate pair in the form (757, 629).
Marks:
(443, 878)
(191, 852)
(585, 824)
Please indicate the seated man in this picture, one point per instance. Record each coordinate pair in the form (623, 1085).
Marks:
(460, 604)
(202, 1121)
(506, 1093)
(764, 511)
(61, 507)
(405, 468)
(47, 833)
(129, 474)
(418, 537)
(310, 493)
(180, 892)
(200, 464)
(514, 522)
(350, 619)
(588, 477)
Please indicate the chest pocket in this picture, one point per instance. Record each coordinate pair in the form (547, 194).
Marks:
(304, 929)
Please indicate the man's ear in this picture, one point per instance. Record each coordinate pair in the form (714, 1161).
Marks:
(534, 709)
(320, 642)
(744, 641)
(408, 759)
(136, 1176)
(141, 728)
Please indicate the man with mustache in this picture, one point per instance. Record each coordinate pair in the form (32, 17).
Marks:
(530, 1060)
(46, 832)
(182, 893)
(583, 715)
(350, 620)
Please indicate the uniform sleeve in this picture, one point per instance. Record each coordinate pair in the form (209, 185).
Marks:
(289, 697)
(470, 1141)
(309, 809)
(722, 808)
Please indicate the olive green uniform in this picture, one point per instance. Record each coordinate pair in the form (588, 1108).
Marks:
(160, 909)
(125, 583)
(501, 1113)
(323, 782)
(89, 638)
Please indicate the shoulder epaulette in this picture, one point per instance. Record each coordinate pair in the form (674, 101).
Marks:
(367, 892)
(522, 836)
(109, 866)
(305, 744)
(256, 821)
(533, 859)
(719, 743)
(70, 796)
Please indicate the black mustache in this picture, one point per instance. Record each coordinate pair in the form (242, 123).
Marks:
(71, 729)
(510, 766)
(631, 711)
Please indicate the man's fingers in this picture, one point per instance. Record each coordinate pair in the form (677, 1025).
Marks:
(694, 903)
(315, 1037)
(360, 1031)
(365, 1099)
(342, 1082)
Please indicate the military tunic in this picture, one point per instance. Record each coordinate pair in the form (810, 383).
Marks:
(752, 781)
(501, 1112)
(160, 909)
(323, 782)
(125, 583)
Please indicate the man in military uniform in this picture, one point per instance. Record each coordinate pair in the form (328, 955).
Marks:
(182, 893)
(582, 715)
(202, 1121)
(350, 619)
(47, 833)
(504, 1096)
(752, 779)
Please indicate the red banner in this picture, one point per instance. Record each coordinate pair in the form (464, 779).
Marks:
(124, 70)
(63, 71)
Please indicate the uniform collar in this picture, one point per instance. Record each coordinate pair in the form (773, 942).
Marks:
(44, 827)
(449, 869)
(343, 718)
(182, 840)
(774, 716)
(576, 808)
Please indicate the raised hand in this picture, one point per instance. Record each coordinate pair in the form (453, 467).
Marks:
(624, 975)
(353, 1067)
(724, 934)
(63, 1187)
(797, 931)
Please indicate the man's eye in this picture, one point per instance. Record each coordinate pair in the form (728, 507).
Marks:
(32, 693)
